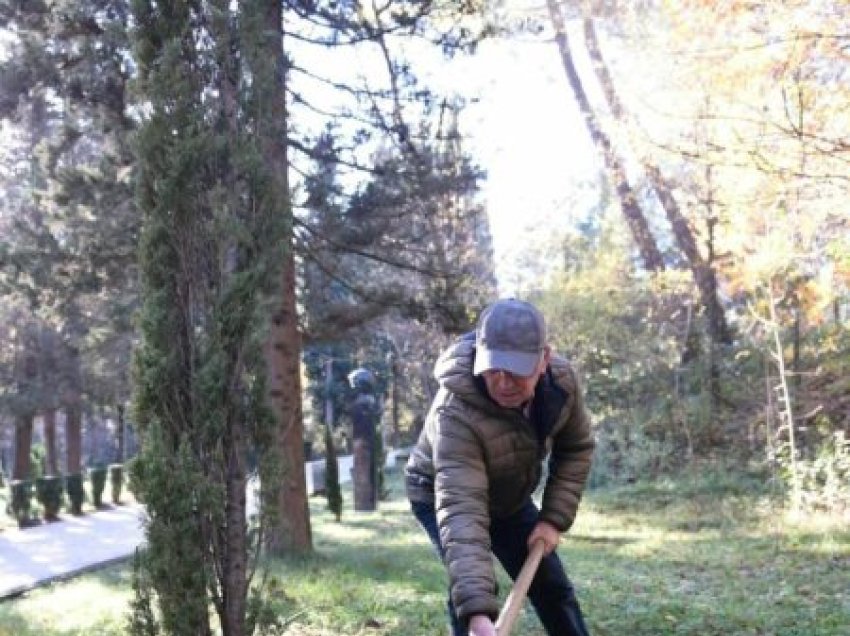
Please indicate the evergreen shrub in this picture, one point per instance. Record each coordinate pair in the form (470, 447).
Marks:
(37, 457)
(48, 491)
(333, 491)
(98, 483)
(135, 477)
(21, 498)
(116, 480)
(76, 493)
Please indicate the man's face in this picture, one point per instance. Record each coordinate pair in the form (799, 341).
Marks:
(511, 391)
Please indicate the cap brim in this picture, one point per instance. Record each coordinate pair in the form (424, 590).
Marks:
(517, 362)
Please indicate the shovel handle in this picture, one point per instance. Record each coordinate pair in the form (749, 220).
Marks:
(513, 604)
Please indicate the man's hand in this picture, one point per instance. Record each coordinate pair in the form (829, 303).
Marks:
(548, 533)
(481, 625)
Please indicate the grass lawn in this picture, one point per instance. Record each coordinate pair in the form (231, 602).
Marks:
(693, 557)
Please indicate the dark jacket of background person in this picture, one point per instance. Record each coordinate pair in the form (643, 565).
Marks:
(475, 459)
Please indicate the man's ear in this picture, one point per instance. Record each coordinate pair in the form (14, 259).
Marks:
(547, 353)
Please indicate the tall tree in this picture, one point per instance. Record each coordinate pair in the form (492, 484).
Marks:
(214, 235)
(627, 197)
(703, 268)
(73, 238)
(284, 491)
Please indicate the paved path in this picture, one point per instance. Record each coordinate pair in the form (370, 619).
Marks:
(51, 551)
(57, 550)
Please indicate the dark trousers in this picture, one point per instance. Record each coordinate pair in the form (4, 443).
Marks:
(551, 592)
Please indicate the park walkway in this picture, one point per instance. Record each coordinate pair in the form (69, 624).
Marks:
(62, 549)
(58, 550)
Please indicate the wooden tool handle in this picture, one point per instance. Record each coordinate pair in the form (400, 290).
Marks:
(513, 604)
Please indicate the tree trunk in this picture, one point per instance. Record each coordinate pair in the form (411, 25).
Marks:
(235, 562)
(331, 486)
(394, 395)
(284, 487)
(23, 445)
(72, 403)
(796, 362)
(52, 458)
(120, 431)
(704, 274)
(231, 546)
(73, 438)
(703, 271)
(635, 218)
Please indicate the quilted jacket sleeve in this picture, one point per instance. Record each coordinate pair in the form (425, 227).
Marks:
(569, 462)
(463, 515)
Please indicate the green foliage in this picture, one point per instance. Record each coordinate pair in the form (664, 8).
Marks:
(20, 501)
(625, 452)
(116, 481)
(141, 620)
(268, 609)
(72, 228)
(626, 334)
(173, 570)
(215, 226)
(98, 483)
(49, 491)
(826, 478)
(37, 456)
(76, 492)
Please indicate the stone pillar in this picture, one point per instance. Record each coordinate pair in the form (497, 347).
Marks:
(365, 413)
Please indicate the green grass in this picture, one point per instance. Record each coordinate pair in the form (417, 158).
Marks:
(694, 556)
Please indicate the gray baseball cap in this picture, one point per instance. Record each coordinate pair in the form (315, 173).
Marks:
(510, 335)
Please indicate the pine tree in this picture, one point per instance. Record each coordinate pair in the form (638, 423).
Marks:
(71, 246)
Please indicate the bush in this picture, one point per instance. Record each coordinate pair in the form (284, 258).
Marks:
(116, 480)
(76, 493)
(625, 454)
(98, 483)
(825, 481)
(48, 490)
(37, 457)
(135, 477)
(21, 498)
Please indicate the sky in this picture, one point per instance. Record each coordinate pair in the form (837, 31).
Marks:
(525, 130)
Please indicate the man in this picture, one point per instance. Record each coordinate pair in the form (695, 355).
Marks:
(504, 404)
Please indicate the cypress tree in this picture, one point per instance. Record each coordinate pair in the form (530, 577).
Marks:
(210, 243)
(333, 491)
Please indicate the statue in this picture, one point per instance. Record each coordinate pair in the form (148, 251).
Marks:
(365, 413)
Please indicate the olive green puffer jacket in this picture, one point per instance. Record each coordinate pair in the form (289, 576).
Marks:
(476, 460)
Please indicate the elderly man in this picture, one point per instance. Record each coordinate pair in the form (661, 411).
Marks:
(505, 404)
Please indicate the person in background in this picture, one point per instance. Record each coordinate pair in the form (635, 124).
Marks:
(505, 404)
